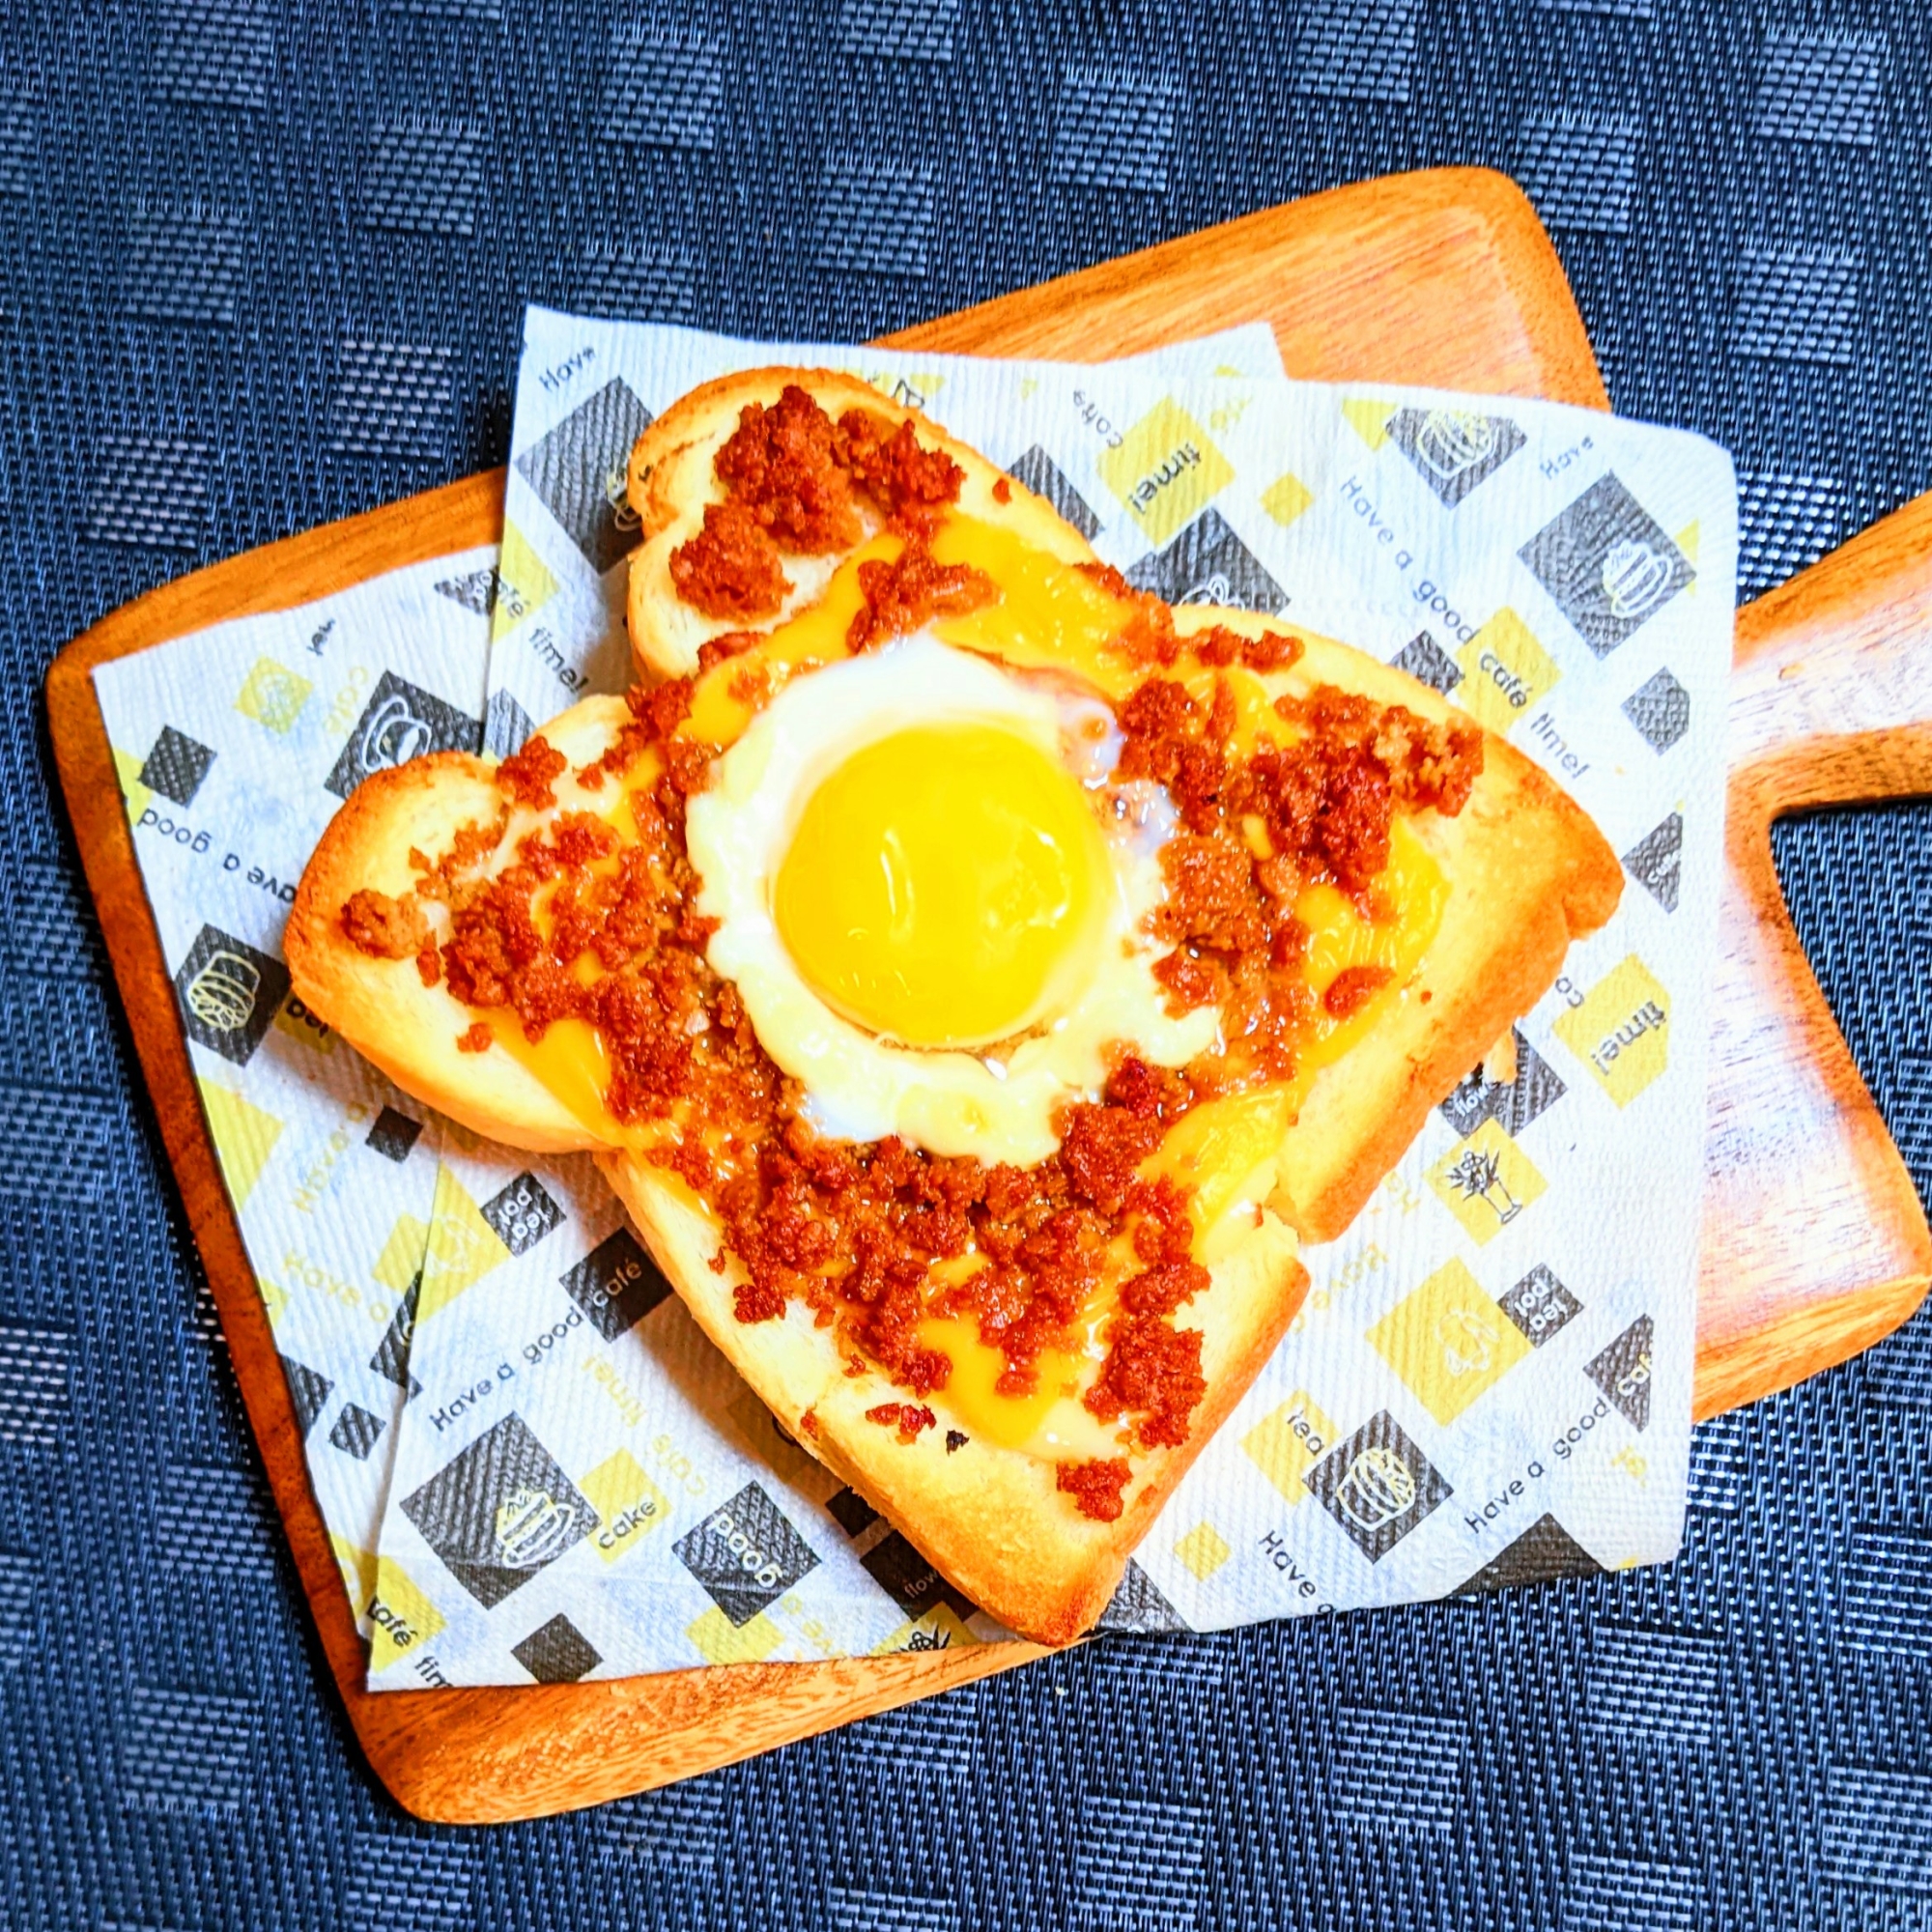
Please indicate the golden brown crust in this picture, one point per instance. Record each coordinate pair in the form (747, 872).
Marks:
(672, 480)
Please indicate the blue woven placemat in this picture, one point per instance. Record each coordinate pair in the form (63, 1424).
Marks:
(262, 264)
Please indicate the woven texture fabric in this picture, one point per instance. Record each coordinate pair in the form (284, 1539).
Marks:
(262, 264)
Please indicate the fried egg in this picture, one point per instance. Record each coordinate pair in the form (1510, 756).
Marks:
(933, 903)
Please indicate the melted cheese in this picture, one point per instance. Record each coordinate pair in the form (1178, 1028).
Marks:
(1415, 887)
(1255, 717)
(1048, 615)
(1052, 615)
(1227, 1151)
(571, 1059)
(1050, 1423)
(814, 637)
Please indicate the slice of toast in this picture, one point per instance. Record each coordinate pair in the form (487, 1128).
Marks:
(671, 482)
(1538, 873)
(1524, 873)
(382, 1007)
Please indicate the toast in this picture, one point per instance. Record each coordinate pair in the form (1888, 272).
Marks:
(671, 482)
(1540, 874)
(1019, 1411)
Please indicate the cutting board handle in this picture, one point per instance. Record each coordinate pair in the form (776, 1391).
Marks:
(1831, 683)
(1806, 1197)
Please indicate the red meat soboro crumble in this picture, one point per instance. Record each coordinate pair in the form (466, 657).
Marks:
(856, 1232)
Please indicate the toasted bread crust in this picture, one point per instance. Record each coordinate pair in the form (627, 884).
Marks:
(672, 481)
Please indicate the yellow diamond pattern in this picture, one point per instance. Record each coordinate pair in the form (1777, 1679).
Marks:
(1285, 498)
(1485, 1182)
(1621, 1032)
(462, 1246)
(1448, 1341)
(523, 580)
(1369, 418)
(402, 1618)
(1204, 1550)
(401, 1255)
(1506, 672)
(272, 695)
(629, 1505)
(1165, 470)
(244, 1136)
(1286, 1444)
(720, 1642)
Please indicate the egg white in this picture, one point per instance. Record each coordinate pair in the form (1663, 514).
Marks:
(997, 1104)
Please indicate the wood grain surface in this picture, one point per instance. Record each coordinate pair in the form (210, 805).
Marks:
(1814, 1241)
(1444, 277)
(1441, 278)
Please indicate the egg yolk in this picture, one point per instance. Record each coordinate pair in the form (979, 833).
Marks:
(944, 885)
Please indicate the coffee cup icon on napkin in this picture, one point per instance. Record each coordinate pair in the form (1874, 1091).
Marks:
(391, 734)
(532, 1527)
(222, 994)
(1378, 1488)
(1453, 440)
(1636, 578)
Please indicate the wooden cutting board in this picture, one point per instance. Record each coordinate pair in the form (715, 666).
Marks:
(1815, 1246)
